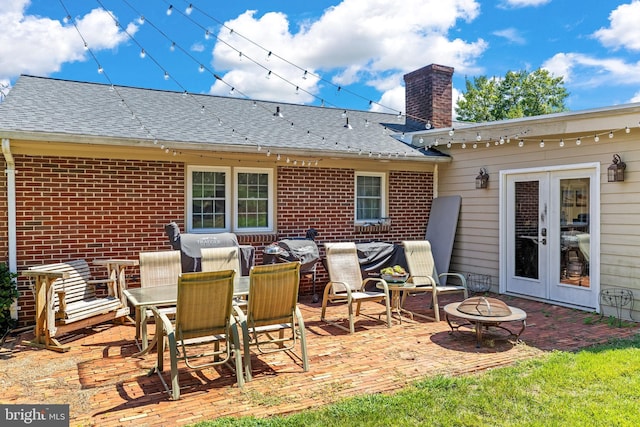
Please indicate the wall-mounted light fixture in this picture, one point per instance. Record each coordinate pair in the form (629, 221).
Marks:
(482, 180)
(615, 172)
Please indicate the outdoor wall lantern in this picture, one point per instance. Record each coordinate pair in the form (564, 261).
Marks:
(615, 172)
(482, 180)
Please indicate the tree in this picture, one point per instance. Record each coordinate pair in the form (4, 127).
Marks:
(517, 94)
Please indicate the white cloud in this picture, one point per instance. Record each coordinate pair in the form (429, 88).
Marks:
(386, 41)
(511, 34)
(523, 3)
(623, 31)
(197, 47)
(588, 71)
(36, 45)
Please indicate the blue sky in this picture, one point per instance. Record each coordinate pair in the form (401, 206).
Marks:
(355, 52)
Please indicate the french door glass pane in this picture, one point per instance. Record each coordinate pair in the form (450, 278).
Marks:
(574, 231)
(526, 229)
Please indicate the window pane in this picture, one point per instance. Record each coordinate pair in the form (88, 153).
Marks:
(208, 199)
(368, 197)
(253, 200)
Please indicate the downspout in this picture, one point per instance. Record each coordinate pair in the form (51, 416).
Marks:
(10, 171)
(435, 180)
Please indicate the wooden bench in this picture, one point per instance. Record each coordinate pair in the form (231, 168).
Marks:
(66, 298)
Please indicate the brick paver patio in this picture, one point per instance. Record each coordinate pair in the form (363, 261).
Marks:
(105, 386)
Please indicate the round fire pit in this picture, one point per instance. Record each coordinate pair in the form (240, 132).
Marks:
(481, 313)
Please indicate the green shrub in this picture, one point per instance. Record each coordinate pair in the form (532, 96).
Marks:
(8, 293)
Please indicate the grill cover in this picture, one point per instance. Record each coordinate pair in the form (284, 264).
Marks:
(303, 250)
(190, 244)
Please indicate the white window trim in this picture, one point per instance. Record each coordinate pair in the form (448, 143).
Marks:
(271, 201)
(227, 196)
(383, 193)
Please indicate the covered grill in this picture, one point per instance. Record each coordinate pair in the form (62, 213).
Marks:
(304, 250)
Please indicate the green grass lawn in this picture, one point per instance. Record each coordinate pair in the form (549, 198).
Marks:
(598, 386)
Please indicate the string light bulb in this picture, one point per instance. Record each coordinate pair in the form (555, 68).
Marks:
(610, 134)
(172, 47)
(189, 9)
(627, 130)
(141, 20)
(578, 141)
(596, 138)
(143, 54)
(561, 143)
(170, 10)
(452, 132)
(166, 75)
(201, 68)
(100, 69)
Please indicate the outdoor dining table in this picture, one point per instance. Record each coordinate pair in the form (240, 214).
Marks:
(163, 296)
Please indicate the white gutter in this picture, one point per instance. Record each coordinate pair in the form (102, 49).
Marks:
(10, 171)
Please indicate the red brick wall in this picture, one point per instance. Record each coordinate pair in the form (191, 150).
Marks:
(429, 96)
(71, 208)
(99, 208)
(324, 199)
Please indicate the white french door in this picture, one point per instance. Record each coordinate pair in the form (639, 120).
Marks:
(550, 233)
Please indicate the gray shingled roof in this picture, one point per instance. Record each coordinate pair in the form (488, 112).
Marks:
(68, 110)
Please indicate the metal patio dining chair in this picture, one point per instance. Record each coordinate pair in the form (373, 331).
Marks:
(158, 268)
(423, 274)
(272, 320)
(204, 326)
(346, 285)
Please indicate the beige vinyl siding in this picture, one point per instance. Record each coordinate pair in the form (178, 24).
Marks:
(476, 247)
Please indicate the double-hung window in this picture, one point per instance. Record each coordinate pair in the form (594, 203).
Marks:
(370, 196)
(229, 199)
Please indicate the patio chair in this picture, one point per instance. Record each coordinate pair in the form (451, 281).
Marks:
(273, 322)
(346, 285)
(158, 268)
(204, 326)
(223, 258)
(425, 278)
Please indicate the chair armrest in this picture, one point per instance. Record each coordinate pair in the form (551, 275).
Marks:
(347, 288)
(460, 277)
(429, 279)
(167, 326)
(385, 285)
(238, 314)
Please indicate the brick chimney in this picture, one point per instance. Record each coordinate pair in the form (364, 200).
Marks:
(428, 96)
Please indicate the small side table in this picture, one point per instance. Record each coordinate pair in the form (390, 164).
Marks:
(396, 289)
(517, 315)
